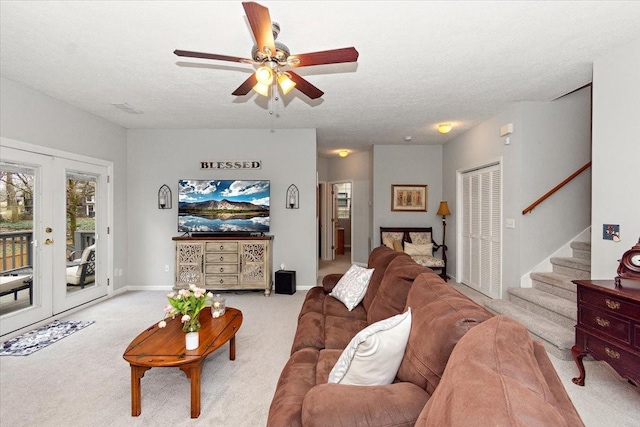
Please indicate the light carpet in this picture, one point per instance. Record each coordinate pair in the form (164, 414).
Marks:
(32, 341)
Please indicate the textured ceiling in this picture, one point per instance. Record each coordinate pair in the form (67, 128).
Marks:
(420, 62)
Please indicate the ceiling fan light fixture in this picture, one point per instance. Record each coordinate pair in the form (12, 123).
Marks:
(286, 84)
(445, 127)
(262, 89)
(264, 75)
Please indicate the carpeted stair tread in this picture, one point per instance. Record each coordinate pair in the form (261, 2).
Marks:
(555, 279)
(581, 250)
(545, 302)
(570, 262)
(560, 337)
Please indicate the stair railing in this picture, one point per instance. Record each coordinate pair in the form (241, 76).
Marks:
(556, 188)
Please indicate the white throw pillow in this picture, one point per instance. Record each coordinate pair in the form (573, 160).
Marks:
(418, 249)
(352, 286)
(374, 355)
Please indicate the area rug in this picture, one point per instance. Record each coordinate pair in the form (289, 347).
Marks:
(37, 339)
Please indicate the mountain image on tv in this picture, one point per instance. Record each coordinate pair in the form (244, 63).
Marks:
(223, 206)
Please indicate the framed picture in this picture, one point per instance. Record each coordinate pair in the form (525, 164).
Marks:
(409, 198)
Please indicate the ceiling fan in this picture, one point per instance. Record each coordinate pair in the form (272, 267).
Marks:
(274, 59)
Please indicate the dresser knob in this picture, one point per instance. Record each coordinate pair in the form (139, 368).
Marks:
(221, 247)
(221, 258)
(602, 322)
(221, 269)
(613, 305)
(221, 280)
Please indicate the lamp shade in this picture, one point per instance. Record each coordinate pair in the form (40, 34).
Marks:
(286, 84)
(443, 209)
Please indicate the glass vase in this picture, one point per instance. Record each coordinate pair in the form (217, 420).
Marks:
(192, 325)
(217, 305)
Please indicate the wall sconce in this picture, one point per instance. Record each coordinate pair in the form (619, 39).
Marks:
(292, 197)
(343, 153)
(164, 197)
(445, 127)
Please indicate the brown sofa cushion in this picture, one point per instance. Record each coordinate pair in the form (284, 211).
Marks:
(379, 259)
(441, 316)
(391, 405)
(391, 297)
(493, 378)
(297, 378)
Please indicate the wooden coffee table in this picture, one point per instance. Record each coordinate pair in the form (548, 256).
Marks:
(163, 348)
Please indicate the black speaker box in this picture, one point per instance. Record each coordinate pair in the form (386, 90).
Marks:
(285, 282)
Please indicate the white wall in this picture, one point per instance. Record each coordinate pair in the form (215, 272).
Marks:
(31, 117)
(164, 156)
(399, 164)
(556, 143)
(616, 156)
(480, 146)
(355, 168)
(550, 141)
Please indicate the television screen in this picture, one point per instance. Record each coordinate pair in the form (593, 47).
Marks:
(221, 206)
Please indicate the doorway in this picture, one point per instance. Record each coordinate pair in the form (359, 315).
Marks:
(53, 212)
(335, 227)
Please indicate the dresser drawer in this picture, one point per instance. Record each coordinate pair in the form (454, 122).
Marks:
(605, 324)
(221, 247)
(636, 342)
(220, 280)
(221, 269)
(221, 258)
(623, 361)
(609, 303)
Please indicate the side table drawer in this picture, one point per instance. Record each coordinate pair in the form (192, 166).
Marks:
(636, 342)
(610, 303)
(605, 324)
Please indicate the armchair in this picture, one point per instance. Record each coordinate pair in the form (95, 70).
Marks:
(83, 273)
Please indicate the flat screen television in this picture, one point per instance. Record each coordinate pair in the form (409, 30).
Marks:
(223, 206)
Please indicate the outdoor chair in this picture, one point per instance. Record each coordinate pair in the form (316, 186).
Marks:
(83, 273)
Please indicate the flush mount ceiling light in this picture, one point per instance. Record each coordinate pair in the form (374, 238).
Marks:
(445, 127)
(343, 153)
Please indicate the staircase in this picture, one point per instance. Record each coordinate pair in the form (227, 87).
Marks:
(548, 309)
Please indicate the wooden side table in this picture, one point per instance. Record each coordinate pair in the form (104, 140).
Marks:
(608, 327)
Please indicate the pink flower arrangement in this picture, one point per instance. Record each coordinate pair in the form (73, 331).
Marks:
(188, 303)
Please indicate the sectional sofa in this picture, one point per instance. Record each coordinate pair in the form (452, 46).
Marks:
(461, 366)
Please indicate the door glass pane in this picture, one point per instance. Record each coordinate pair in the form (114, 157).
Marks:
(17, 185)
(81, 216)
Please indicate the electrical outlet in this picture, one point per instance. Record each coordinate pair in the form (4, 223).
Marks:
(166, 268)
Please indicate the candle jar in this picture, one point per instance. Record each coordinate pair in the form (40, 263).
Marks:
(217, 305)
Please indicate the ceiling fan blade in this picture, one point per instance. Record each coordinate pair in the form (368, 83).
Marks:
(246, 86)
(202, 55)
(260, 22)
(334, 56)
(304, 86)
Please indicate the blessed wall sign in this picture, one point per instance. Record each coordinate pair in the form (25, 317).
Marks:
(233, 164)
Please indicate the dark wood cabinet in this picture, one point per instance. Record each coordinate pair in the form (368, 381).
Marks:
(608, 327)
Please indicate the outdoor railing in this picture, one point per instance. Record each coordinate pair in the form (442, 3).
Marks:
(16, 249)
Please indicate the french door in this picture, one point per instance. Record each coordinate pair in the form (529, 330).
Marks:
(56, 206)
(480, 219)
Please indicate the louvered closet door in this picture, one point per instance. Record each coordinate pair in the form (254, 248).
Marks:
(481, 238)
